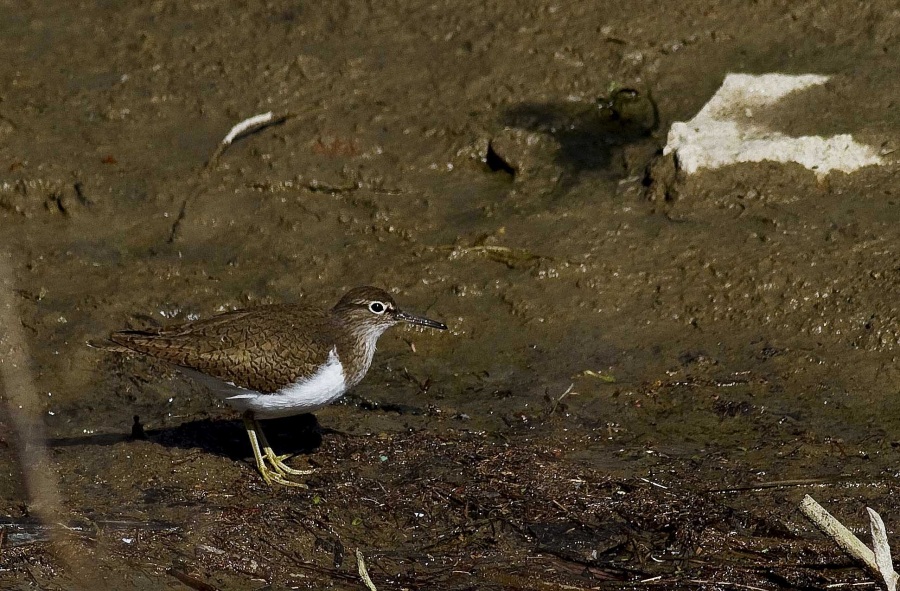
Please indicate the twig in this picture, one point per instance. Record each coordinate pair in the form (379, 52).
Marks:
(651, 483)
(297, 562)
(176, 225)
(852, 545)
(513, 258)
(21, 532)
(726, 584)
(775, 484)
(882, 551)
(363, 572)
(558, 400)
(192, 582)
(246, 126)
(835, 530)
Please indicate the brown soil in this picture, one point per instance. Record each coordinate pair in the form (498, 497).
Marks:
(730, 338)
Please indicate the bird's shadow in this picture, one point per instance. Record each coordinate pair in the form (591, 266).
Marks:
(299, 434)
(588, 134)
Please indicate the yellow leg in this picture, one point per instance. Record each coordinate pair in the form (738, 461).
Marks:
(276, 461)
(254, 432)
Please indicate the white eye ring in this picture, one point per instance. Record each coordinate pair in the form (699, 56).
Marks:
(377, 308)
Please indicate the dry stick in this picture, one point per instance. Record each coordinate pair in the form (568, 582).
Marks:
(726, 584)
(246, 126)
(835, 530)
(363, 572)
(776, 484)
(192, 582)
(176, 225)
(558, 400)
(882, 551)
(24, 411)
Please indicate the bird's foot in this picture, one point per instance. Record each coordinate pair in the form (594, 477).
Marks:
(273, 477)
(281, 468)
(262, 453)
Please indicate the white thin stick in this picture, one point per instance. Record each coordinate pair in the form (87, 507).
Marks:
(558, 400)
(363, 572)
(835, 530)
(882, 551)
(725, 584)
(247, 124)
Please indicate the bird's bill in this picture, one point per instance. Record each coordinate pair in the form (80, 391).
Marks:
(421, 320)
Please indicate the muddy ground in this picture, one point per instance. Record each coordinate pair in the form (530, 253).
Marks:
(644, 374)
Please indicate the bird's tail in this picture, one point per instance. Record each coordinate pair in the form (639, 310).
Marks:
(107, 345)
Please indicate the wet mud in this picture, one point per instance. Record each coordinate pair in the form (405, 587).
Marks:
(644, 373)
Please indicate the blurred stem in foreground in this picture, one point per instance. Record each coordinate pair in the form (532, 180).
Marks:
(24, 411)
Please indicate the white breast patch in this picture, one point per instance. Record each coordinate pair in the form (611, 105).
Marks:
(322, 388)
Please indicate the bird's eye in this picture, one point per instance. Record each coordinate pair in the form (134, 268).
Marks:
(377, 307)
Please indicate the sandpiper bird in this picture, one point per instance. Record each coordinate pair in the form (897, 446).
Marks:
(277, 361)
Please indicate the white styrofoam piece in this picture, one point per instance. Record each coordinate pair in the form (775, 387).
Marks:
(716, 137)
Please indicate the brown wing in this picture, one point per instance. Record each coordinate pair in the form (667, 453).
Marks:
(261, 349)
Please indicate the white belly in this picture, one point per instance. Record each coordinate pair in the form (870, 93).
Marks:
(306, 395)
